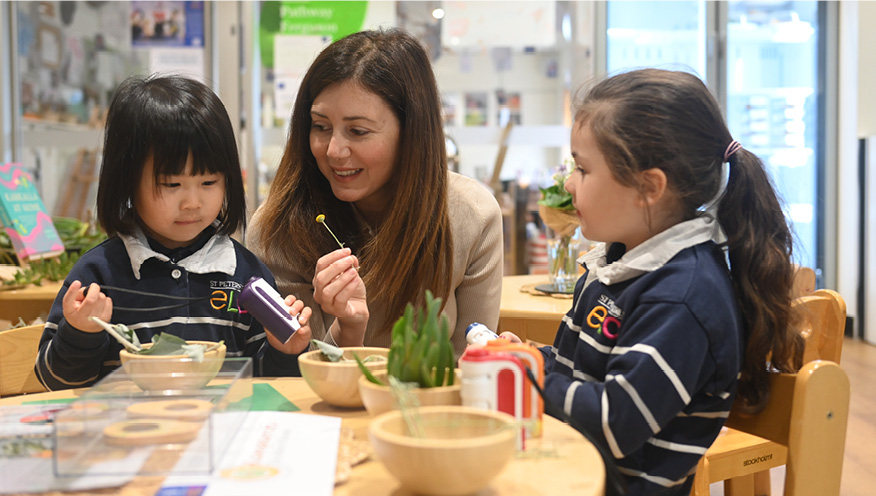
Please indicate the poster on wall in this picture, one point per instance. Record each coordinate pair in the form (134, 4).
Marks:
(476, 109)
(167, 24)
(294, 55)
(509, 107)
(519, 24)
(450, 109)
(331, 19)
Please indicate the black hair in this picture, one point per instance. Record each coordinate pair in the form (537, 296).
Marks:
(167, 118)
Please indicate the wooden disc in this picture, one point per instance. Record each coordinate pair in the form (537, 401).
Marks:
(189, 409)
(145, 431)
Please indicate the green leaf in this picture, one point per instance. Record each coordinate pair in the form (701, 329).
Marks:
(434, 370)
(333, 353)
(196, 351)
(166, 344)
(442, 364)
(366, 371)
(556, 197)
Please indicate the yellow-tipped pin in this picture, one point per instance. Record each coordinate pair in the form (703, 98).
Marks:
(321, 219)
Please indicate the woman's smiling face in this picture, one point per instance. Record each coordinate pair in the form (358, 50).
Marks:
(354, 137)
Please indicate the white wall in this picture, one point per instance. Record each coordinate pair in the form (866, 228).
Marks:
(5, 89)
(541, 104)
(856, 119)
(866, 126)
(866, 69)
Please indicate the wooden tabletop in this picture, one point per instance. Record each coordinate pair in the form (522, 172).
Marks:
(560, 462)
(530, 316)
(27, 302)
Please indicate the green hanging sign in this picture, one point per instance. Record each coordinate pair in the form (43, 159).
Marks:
(331, 19)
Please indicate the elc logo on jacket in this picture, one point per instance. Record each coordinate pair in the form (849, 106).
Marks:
(225, 296)
(606, 317)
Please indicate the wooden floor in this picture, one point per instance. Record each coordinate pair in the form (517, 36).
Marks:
(859, 464)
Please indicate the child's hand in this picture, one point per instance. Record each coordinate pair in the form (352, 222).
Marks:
(510, 336)
(340, 291)
(301, 339)
(79, 306)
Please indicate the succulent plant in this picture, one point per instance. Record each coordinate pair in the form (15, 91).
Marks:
(420, 352)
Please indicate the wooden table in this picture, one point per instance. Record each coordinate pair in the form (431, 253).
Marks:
(529, 316)
(28, 302)
(561, 462)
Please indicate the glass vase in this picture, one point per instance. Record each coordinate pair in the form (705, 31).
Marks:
(562, 261)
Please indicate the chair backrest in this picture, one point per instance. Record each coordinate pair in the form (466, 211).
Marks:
(18, 353)
(807, 412)
(823, 324)
(804, 281)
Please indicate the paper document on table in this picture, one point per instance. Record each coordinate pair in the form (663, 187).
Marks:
(26, 446)
(274, 453)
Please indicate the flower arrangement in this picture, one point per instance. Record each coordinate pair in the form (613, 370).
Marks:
(555, 195)
(558, 213)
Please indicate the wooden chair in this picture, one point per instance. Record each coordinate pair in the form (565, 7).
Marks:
(18, 353)
(807, 416)
(823, 315)
(804, 281)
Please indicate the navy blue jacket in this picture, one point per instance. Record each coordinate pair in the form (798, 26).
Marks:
(648, 359)
(216, 272)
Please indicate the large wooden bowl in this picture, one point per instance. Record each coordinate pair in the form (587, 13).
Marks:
(379, 399)
(461, 449)
(337, 383)
(162, 372)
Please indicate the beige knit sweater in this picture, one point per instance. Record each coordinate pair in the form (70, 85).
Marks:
(476, 226)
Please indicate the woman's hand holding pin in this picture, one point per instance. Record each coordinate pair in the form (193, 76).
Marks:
(339, 291)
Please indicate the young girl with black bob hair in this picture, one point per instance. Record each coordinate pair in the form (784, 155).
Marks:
(170, 194)
(689, 295)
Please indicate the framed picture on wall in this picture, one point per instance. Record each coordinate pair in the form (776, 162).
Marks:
(476, 109)
(450, 108)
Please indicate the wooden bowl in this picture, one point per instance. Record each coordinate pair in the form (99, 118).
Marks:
(337, 383)
(379, 399)
(161, 372)
(461, 449)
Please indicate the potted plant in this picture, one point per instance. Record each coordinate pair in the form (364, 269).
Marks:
(420, 356)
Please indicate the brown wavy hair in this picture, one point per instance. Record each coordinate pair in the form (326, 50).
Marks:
(411, 250)
(665, 119)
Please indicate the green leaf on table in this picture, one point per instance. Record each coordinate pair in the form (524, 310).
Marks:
(166, 344)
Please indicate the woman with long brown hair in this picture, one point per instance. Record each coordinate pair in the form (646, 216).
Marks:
(366, 150)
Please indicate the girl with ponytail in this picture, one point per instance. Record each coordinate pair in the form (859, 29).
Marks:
(686, 303)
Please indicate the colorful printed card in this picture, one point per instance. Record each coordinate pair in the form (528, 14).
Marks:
(24, 216)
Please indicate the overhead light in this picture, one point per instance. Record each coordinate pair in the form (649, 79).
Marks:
(438, 13)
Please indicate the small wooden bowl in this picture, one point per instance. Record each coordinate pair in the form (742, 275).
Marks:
(461, 449)
(337, 383)
(162, 372)
(379, 399)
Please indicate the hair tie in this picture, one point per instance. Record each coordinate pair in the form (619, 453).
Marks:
(731, 149)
